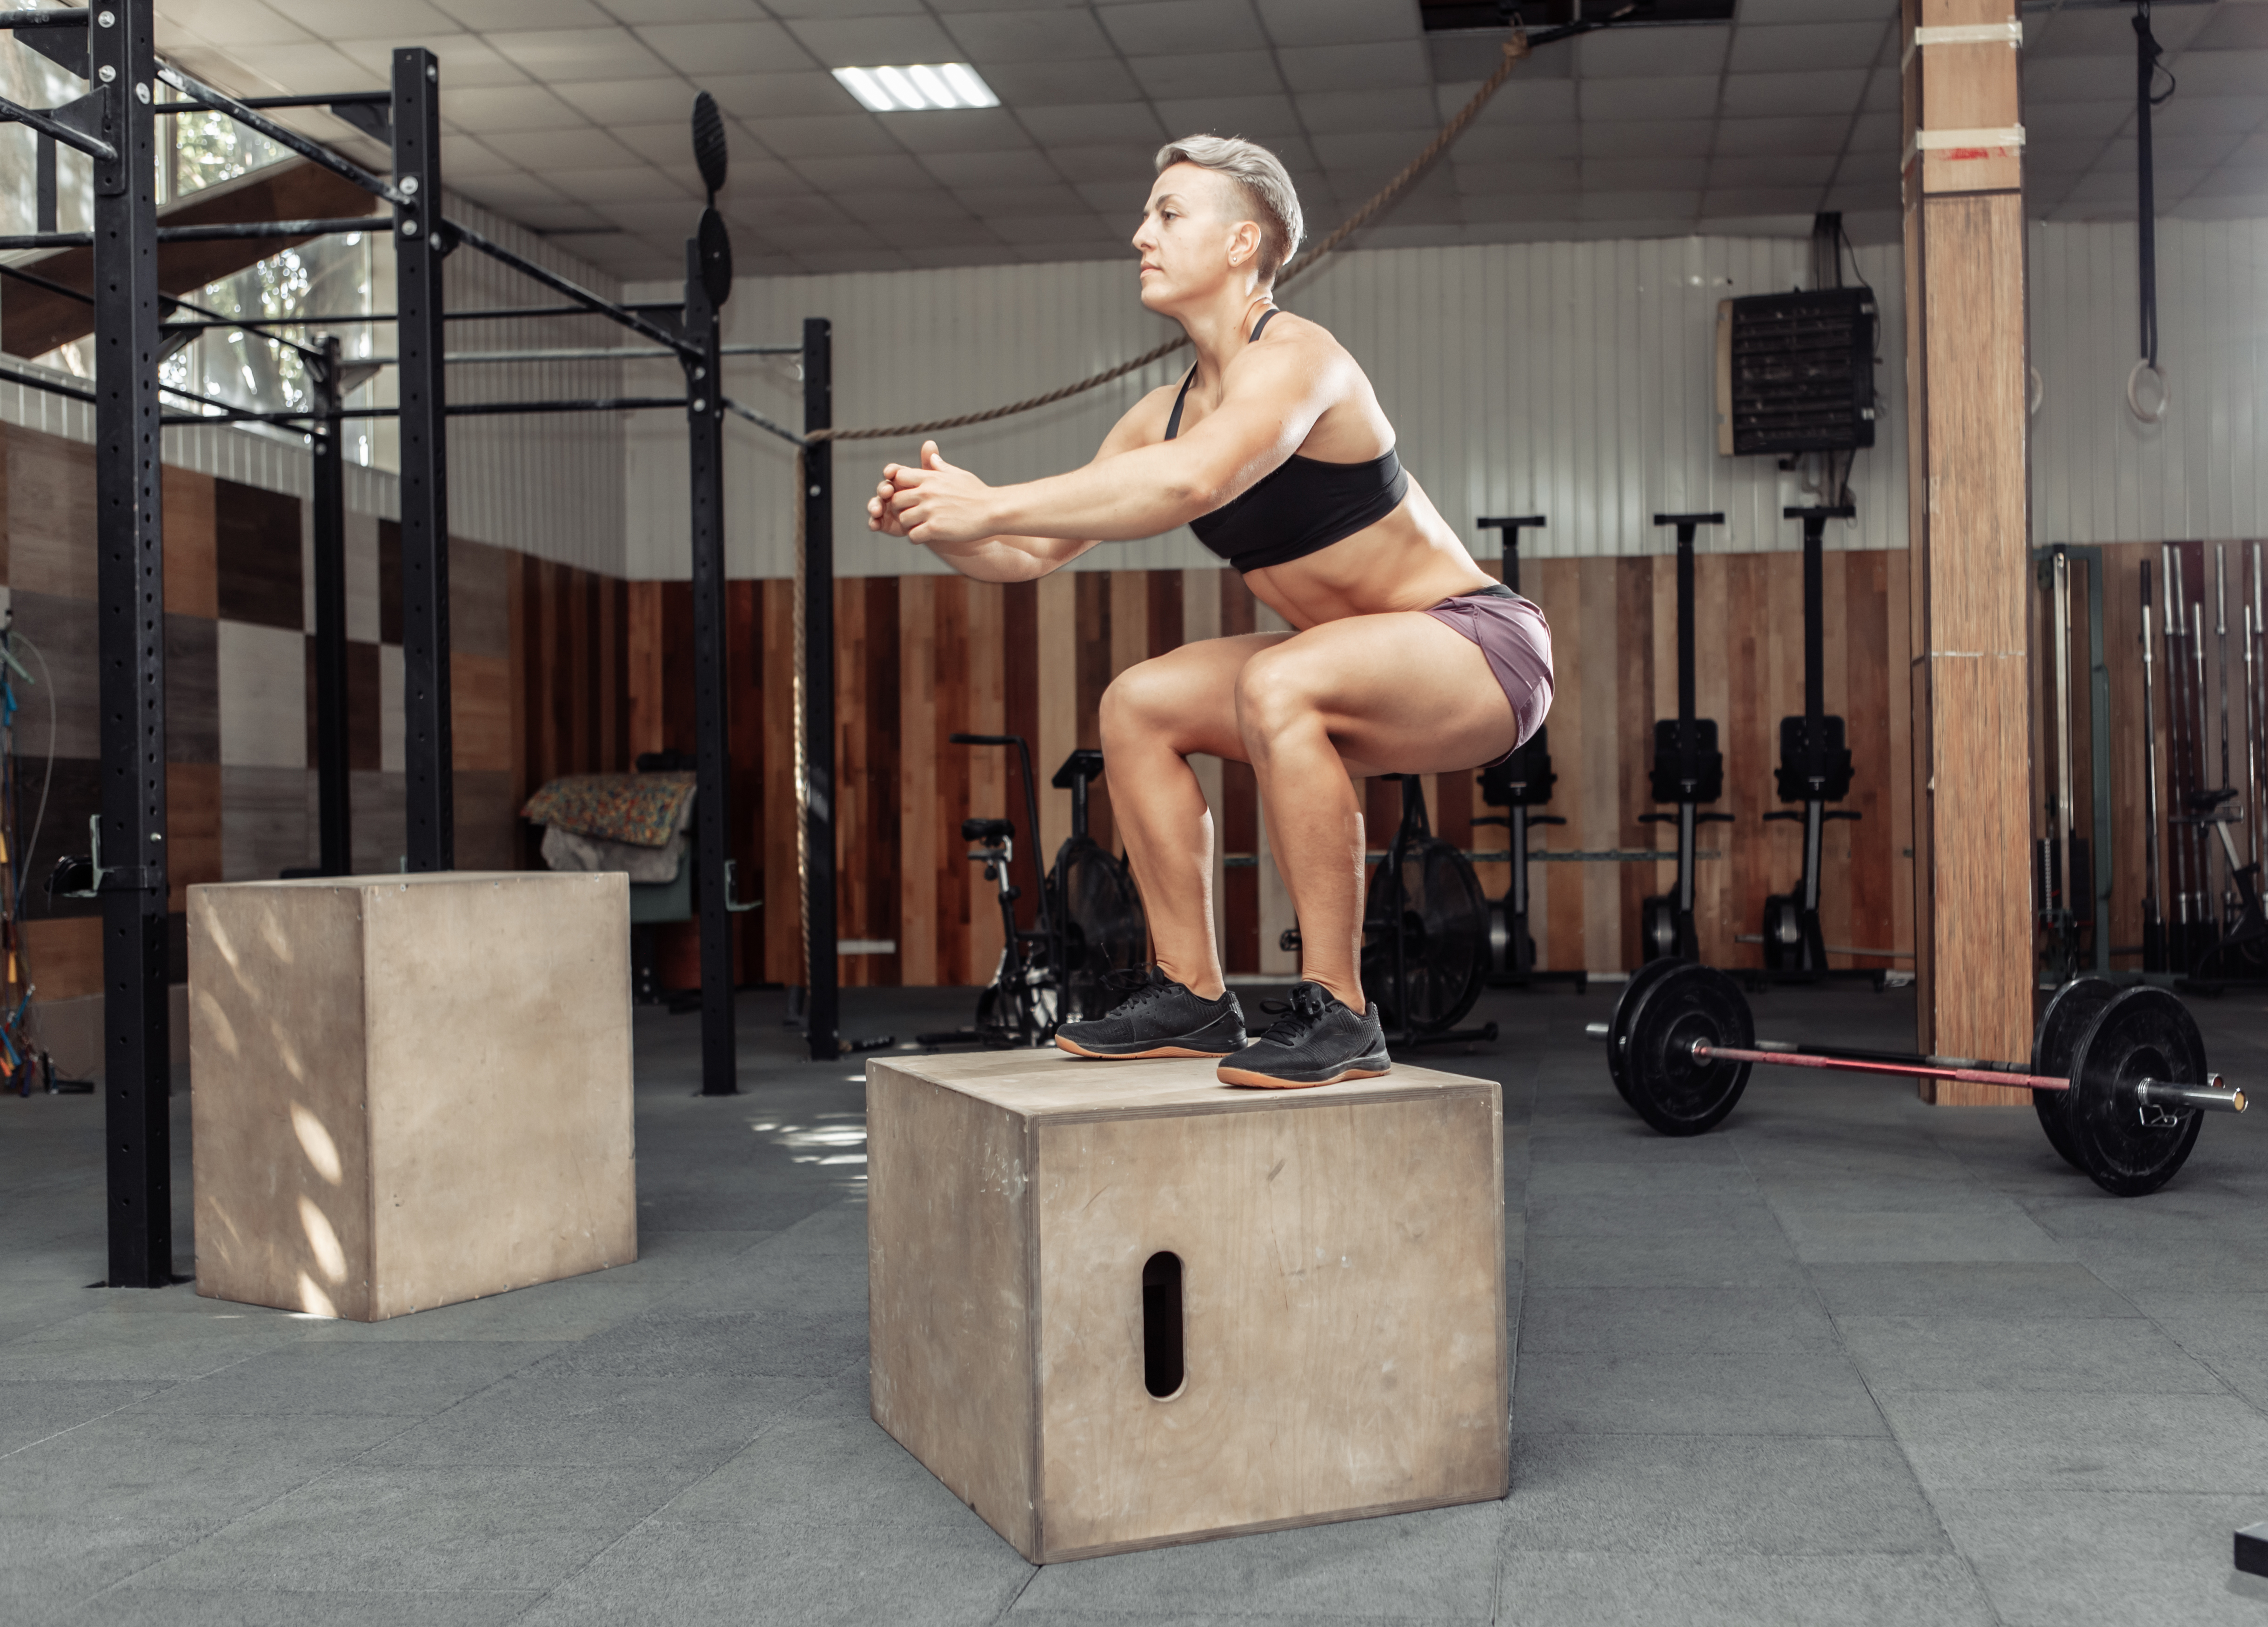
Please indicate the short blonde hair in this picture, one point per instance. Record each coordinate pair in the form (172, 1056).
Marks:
(1267, 186)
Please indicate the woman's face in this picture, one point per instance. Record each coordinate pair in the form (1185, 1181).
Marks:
(1193, 236)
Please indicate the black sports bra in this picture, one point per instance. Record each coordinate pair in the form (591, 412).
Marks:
(1298, 508)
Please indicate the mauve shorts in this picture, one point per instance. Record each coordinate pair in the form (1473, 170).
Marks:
(1517, 641)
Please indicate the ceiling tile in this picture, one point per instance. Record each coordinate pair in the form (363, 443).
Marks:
(547, 218)
(966, 232)
(1744, 137)
(1515, 142)
(1355, 67)
(822, 262)
(1048, 85)
(1796, 223)
(2049, 122)
(231, 22)
(1778, 95)
(466, 63)
(2221, 74)
(1059, 229)
(991, 169)
(1523, 101)
(1639, 174)
(1079, 126)
(2170, 152)
(1164, 27)
(1880, 131)
(1813, 170)
(397, 22)
(1761, 200)
(1683, 97)
(2111, 32)
(764, 95)
(484, 16)
(945, 259)
(1652, 51)
(2231, 28)
(636, 11)
(312, 64)
(962, 130)
(1125, 164)
(726, 47)
(494, 110)
(989, 37)
(1256, 118)
(1055, 198)
(1117, 201)
(844, 8)
(2190, 115)
(876, 172)
(508, 193)
(660, 216)
(1818, 11)
(2232, 180)
(555, 56)
(553, 151)
(671, 146)
(1628, 205)
(865, 41)
(462, 155)
(630, 101)
(1540, 204)
(1805, 47)
(1352, 112)
(2078, 79)
(926, 204)
(1884, 92)
(1535, 176)
(1222, 73)
(1642, 138)
(1463, 60)
(1338, 22)
(821, 136)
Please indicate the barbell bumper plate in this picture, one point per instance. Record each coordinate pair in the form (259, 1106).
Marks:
(2127, 1147)
(2065, 1022)
(1670, 1088)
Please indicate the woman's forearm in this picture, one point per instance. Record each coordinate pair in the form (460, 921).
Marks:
(1002, 559)
(1122, 499)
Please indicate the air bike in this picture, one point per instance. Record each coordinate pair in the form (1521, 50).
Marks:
(2118, 1076)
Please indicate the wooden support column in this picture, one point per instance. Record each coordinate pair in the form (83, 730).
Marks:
(1966, 369)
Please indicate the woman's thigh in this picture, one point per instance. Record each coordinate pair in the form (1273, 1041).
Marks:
(1402, 692)
(1186, 698)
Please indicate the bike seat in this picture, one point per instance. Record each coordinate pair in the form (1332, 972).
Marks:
(986, 829)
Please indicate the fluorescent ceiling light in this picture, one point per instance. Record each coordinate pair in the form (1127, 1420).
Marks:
(916, 87)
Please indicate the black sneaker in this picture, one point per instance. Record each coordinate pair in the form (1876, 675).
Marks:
(1317, 1041)
(1158, 1018)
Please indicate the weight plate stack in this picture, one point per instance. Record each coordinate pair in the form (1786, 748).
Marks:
(2125, 1148)
(1654, 1036)
(2062, 1025)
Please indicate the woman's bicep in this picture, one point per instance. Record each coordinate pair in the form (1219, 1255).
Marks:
(1270, 408)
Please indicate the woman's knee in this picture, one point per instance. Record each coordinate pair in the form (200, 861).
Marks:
(1137, 705)
(1275, 693)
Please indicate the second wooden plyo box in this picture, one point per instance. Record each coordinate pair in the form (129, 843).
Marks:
(1116, 1305)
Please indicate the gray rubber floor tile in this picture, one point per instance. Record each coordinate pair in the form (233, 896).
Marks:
(1567, 1173)
(2231, 1263)
(786, 1285)
(1955, 1288)
(1645, 1214)
(1971, 1441)
(2209, 1323)
(1880, 1194)
(679, 1254)
(140, 1464)
(2059, 1354)
(2055, 1556)
(563, 1312)
(1687, 1392)
(133, 1606)
(391, 1379)
(684, 1574)
(1022, 1617)
(1633, 1321)
(362, 1529)
(1679, 1260)
(50, 1564)
(791, 1339)
(1439, 1565)
(33, 1410)
(1837, 1236)
(1626, 1590)
(1714, 1496)
(149, 1335)
(530, 1419)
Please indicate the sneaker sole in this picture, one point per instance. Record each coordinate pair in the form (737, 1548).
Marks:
(1135, 1056)
(1270, 1081)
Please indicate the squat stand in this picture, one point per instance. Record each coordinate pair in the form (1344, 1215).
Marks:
(1688, 769)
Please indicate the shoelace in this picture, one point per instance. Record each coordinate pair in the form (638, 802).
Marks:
(1307, 1006)
(1139, 984)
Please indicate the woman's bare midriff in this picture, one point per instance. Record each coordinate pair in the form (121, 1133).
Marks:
(1407, 560)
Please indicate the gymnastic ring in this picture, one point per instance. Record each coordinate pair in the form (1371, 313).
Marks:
(2036, 397)
(2165, 391)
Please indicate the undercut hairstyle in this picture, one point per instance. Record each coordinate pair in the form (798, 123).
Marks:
(1266, 184)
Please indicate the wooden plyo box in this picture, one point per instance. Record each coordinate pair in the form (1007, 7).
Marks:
(409, 1090)
(1341, 1299)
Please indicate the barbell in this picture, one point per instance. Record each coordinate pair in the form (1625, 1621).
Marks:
(2118, 1076)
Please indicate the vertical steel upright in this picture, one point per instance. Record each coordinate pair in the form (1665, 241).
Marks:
(334, 813)
(821, 1022)
(131, 647)
(417, 256)
(705, 426)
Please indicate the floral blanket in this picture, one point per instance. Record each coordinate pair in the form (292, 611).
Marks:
(645, 810)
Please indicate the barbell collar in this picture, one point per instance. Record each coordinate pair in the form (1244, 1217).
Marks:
(1600, 1030)
(2212, 1096)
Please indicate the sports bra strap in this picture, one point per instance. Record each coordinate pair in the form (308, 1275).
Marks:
(1173, 424)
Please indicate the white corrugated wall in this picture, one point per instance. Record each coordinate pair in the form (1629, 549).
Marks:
(1574, 380)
